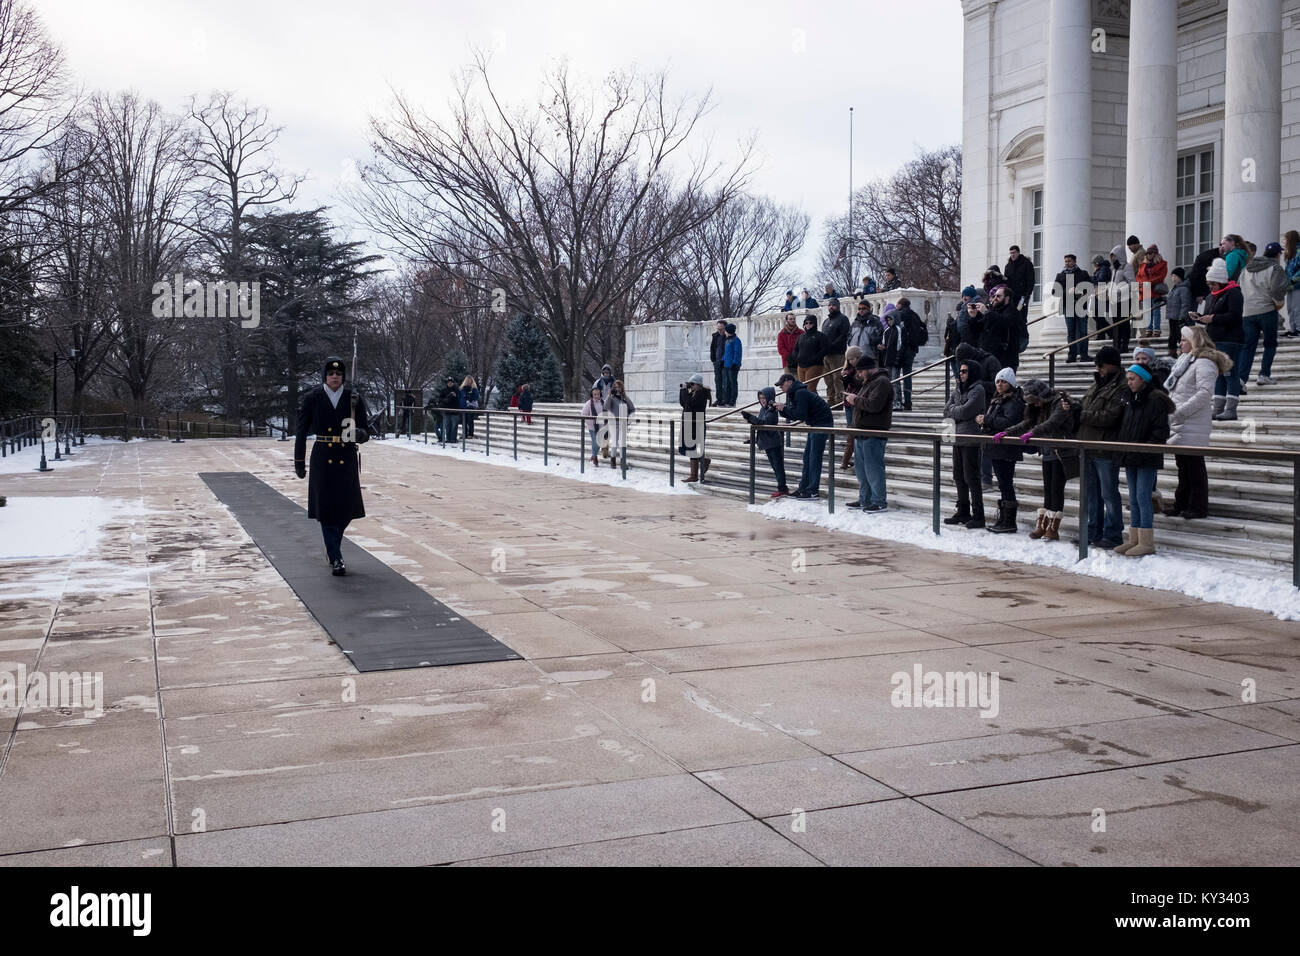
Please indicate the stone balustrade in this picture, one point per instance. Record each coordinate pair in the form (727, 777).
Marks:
(660, 355)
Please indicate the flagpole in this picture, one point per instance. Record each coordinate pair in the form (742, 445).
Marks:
(853, 275)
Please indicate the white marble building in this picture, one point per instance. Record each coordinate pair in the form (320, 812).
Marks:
(1087, 120)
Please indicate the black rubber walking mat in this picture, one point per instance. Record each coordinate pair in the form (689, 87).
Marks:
(378, 618)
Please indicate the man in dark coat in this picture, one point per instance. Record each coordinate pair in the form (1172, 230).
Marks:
(1073, 285)
(449, 399)
(1019, 273)
(337, 417)
(996, 328)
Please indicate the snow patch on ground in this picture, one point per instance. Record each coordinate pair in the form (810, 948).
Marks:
(29, 459)
(638, 479)
(52, 527)
(1256, 585)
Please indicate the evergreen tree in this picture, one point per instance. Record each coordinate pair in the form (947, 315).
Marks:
(24, 375)
(456, 366)
(528, 358)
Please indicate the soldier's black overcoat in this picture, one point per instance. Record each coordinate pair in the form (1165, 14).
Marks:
(334, 475)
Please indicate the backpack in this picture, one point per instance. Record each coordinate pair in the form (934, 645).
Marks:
(915, 334)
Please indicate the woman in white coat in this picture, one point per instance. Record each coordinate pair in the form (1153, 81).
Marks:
(1191, 386)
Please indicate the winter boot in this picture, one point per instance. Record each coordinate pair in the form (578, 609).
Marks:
(1053, 531)
(695, 470)
(960, 516)
(1006, 523)
(1219, 404)
(1129, 544)
(1229, 413)
(1041, 528)
(1146, 543)
(847, 461)
(976, 522)
(704, 467)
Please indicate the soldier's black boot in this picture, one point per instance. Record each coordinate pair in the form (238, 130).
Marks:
(339, 568)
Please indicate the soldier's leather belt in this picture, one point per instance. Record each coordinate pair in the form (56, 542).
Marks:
(331, 439)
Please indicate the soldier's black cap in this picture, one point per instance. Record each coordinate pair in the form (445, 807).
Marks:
(333, 364)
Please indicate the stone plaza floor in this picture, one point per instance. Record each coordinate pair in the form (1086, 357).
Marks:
(701, 686)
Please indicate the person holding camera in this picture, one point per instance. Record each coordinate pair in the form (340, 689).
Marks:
(769, 442)
(694, 398)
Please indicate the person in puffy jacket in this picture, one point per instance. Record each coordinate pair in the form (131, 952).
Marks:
(771, 443)
(731, 355)
(1049, 413)
(593, 419)
(1006, 408)
(620, 409)
(1263, 291)
(786, 340)
(469, 400)
(693, 395)
(1146, 422)
(1191, 388)
(967, 402)
(810, 353)
(1222, 319)
(1151, 271)
(1178, 302)
(1100, 414)
(870, 395)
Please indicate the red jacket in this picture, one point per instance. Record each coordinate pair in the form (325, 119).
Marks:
(785, 340)
(1152, 272)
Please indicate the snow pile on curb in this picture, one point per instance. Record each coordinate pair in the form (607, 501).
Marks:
(638, 479)
(1256, 585)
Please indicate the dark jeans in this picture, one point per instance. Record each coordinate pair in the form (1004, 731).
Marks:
(1005, 469)
(450, 427)
(1120, 336)
(1254, 326)
(1053, 483)
(1105, 509)
(813, 451)
(986, 466)
(333, 535)
(469, 424)
(776, 458)
(1074, 329)
(730, 378)
(903, 389)
(1230, 383)
(718, 389)
(1193, 492)
(966, 475)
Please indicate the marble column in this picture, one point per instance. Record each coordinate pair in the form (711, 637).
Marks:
(1152, 123)
(1252, 128)
(1067, 138)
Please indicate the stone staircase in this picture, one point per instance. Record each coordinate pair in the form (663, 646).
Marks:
(1251, 504)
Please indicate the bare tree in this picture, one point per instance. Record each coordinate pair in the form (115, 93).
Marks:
(34, 104)
(733, 261)
(910, 221)
(144, 180)
(232, 159)
(564, 206)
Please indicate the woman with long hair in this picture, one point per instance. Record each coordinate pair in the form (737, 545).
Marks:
(469, 399)
(1191, 386)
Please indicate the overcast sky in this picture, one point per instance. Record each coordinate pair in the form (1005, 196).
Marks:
(781, 69)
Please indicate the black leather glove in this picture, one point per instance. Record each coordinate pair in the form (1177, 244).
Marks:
(300, 469)
(363, 436)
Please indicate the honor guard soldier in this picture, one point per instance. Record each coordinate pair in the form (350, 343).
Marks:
(337, 418)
